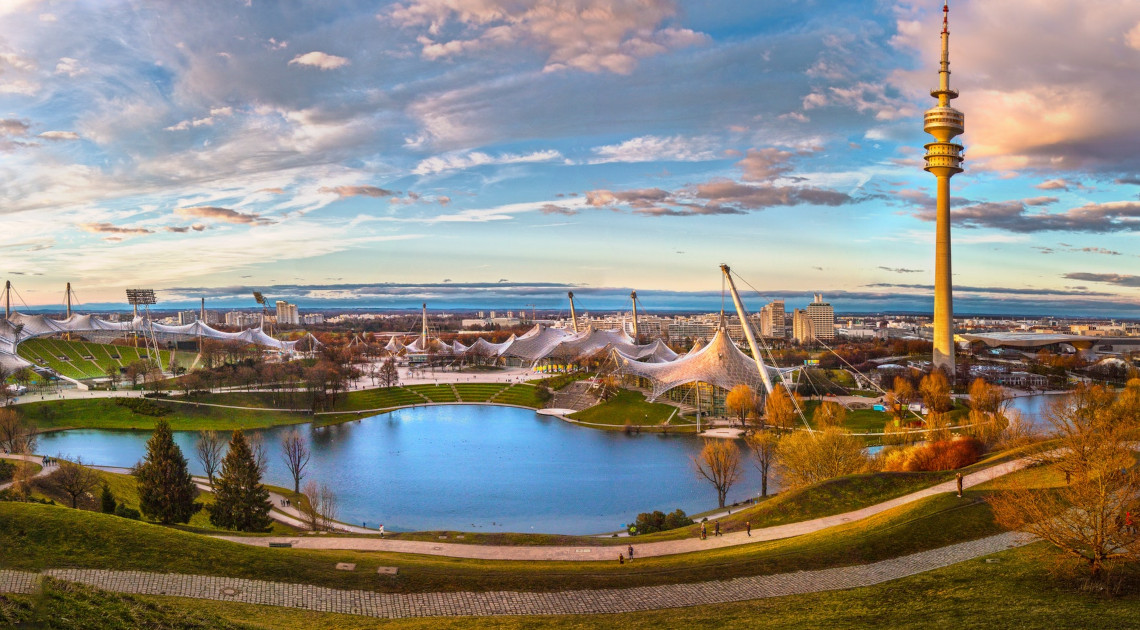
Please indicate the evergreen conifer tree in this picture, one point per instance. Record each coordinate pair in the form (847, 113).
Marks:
(107, 500)
(166, 492)
(240, 501)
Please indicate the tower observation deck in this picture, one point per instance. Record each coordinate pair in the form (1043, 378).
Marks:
(943, 160)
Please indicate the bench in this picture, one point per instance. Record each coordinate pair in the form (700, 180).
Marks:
(286, 545)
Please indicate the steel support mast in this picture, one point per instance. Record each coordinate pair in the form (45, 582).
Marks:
(573, 314)
(748, 334)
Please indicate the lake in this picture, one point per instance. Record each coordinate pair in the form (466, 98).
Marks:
(468, 467)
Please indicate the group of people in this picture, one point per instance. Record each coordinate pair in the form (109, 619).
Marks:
(622, 559)
(285, 502)
(716, 529)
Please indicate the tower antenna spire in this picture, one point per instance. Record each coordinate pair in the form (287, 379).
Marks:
(943, 160)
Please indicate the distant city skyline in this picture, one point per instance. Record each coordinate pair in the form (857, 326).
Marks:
(494, 155)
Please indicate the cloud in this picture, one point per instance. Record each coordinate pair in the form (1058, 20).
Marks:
(767, 164)
(465, 160)
(358, 191)
(225, 215)
(901, 269)
(551, 208)
(317, 59)
(59, 135)
(588, 35)
(714, 197)
(182, 229)
(1100, 250)
(992, 290)
(70, 67)
(107, 228)
(657, 149)
(1106, 278)
(1015, 216)
(1055, 184)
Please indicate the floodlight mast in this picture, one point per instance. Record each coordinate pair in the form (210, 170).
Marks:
(7, 299)
(748, 334)
(573, 314)
(424, 331)
(633, 297)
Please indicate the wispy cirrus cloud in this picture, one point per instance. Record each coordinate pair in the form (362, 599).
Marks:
(658, 149)
(1019, 216)
(108, 228)
(472, 159)
(1120, 280)
(358, 191)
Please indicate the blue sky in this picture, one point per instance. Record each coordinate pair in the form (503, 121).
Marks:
(328, 150)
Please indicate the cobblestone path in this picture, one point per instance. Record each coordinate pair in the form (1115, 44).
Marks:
(515, 603)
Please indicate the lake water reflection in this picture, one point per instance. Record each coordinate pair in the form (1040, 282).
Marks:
(468, 467)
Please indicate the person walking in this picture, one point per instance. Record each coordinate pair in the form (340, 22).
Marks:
(958, 477)
(621, 559)
(716, 528)
(748, 527)
(631, 553)
(704, 530)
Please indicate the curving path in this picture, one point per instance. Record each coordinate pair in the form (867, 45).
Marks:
(598, 553)
(35, 459)
(592, 601)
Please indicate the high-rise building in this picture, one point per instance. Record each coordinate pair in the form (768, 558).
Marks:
(801, 326)
(287, 313)
(943, 160)
(187, 317)
(822, 318)
(772, 320)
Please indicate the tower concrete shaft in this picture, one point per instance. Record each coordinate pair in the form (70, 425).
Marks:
(943, 160)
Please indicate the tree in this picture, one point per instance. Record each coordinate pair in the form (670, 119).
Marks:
(389, 373)
(74, 479)
(241, 502)
(166, 491)
(208, 450)
(740, 402)
(899, 398)
(321, 507)
(17, 435)
(829, 414)
(764, 448)
(296, 456)
(989, 408)
(107, 500)
(719, 463)
(936, 392)
(780, 409)
(807, 458)
(1096, 433)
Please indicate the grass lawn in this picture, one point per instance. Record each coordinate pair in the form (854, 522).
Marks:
(34, 536)
(103, 413)
(627, 407)
(1016, 590)
(522, 395)
(125, 490)
(434, 393)
(478, 392)
(857, 421)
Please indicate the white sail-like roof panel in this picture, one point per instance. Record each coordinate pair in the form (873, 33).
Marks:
(719, 363)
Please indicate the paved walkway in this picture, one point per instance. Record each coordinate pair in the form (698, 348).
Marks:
(594, 601)
(596, 553)
(35, 459)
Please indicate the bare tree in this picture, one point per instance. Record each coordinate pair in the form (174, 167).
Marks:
(260, 455)
(389, 374)
(320, 509)
(719, 463)
(208, 449)
(764, 448)
(74, 479)
(17, 435)
(296, 456)
(1088, 517)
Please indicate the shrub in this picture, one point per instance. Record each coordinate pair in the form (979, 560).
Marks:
(143, 406)
(7, 470)
(658, 521)
(126, 512)
(941, 455)
(542, 394)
